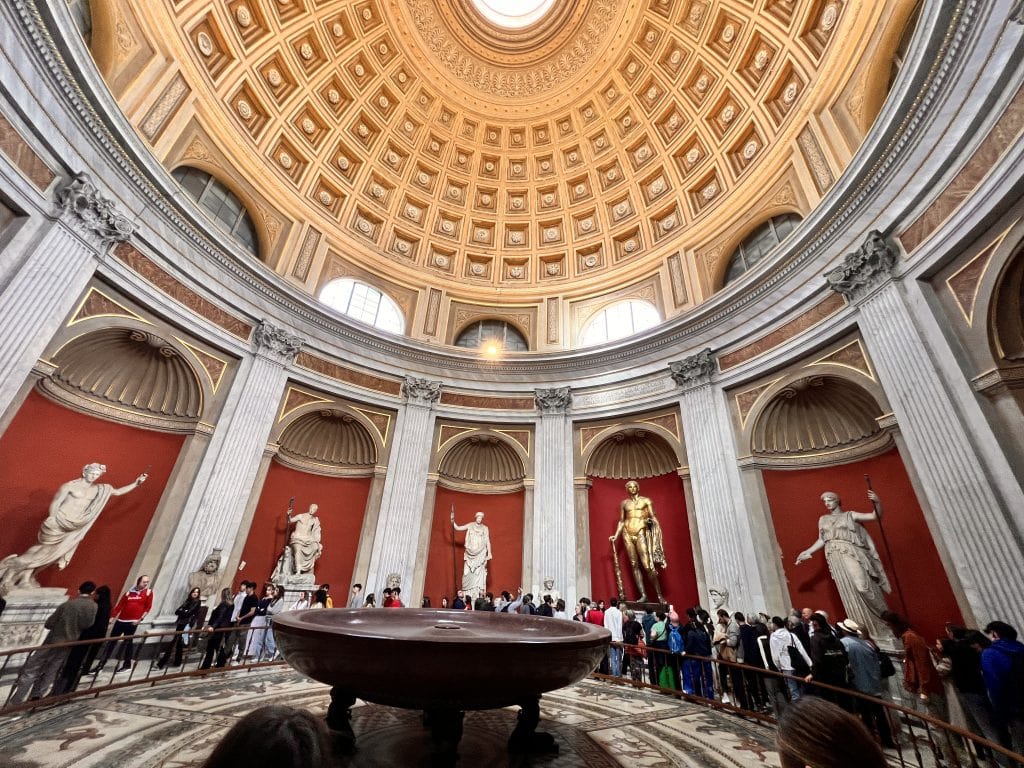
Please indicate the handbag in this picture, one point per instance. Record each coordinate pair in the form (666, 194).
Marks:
(885, 665)
(665, 677)
(796, 659)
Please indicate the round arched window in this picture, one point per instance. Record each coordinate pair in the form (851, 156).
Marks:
(513, 14)
(759, 244)
(494, 336)
(619, 320)
(221, 204)
(364, 303)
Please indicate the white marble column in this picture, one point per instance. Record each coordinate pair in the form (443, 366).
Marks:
(43, 291)
(975, 512)
(584, 576)
(401, 507)
(222, 487)
(554, 514)
(727, 547)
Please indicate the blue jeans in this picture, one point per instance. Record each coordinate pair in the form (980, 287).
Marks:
(615, 660)
(795, 688)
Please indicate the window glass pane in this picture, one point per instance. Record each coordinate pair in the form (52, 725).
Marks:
(220, 204)
(760, 243)
(364, 303)
(622, 319)
(482, 331)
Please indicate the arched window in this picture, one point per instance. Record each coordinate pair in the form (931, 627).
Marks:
(760, 243)
(505, 335)
(221, 204)
(363, 303)
(619, 320)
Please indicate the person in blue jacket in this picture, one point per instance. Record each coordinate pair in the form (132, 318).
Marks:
(1002, 666)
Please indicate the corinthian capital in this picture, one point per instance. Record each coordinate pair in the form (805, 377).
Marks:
(271, 341)
(81, 200)
(421, 391)
(553, 400)
(864, 269)
(694, 370)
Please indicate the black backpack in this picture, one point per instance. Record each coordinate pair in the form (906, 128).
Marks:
(834, 665)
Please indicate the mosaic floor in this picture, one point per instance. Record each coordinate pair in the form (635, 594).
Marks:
(175, 726)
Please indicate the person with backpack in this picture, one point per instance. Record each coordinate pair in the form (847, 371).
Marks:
(789, 657)
(657, 640)
(829, 662)
(676, 648)
(1002, 666)
(697, 670)
(866, 678)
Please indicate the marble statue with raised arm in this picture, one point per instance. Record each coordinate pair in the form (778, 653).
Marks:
(73, 510)
(641, 534)
(477, 554)
(853, 561)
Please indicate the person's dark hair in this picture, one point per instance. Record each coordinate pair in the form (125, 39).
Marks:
(396, 591)
(613, 601)
(778, 622)
(822, 624)
(426, 602)
(104, 598)
(505, 595)
(896, 623)
(1001, 628)
(357, 586)
(371, 599)
(560, 605)
(138, 581)
(584, 601)
(87, 587)
(225, 594)
(320, 596)
(692, 613)
(739, 617)
(702, 616)
(974, 637)
(274, 737)
(814, 732)
(387, 590)
(722, 612)
(325, 587)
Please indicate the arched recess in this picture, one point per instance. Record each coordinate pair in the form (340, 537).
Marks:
(478, 469)
(129, 396)
(817, 433)
(651, 455)
(775, 225)
(324, 452)
(511, 336)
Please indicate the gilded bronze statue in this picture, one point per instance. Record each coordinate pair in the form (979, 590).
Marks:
(641, 534)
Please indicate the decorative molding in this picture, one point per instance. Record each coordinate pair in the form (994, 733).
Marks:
(998, 381)
(851, 356)
(421, 391)
(816, 161)
(632, 454)
(306, 252)
(965, 282)
(865, 269)
(14, 146)
(553, 400)
(340, 373)
(276, 343)
(168, 102)
(81, 200)
(553, 305)
(213, 366)
(433, 311)
(693, 371)
(677, 280)
(98, 304)
(296, 398)
(497, 403)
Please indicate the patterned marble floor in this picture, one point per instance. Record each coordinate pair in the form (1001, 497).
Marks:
(596, 725)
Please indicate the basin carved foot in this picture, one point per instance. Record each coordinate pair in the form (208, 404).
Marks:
(524, 738)
(339, 720)
(445, 727)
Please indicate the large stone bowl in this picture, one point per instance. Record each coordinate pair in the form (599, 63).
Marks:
(430, 659)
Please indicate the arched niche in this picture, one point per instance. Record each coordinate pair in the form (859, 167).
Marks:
(478, 469)
(811, 434)
(126, 395)
(649, 454)
(325, 452)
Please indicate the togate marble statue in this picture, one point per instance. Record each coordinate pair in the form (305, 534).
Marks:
(295, 566)
(74, 509)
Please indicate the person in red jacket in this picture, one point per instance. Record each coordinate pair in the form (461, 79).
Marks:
(130, 610)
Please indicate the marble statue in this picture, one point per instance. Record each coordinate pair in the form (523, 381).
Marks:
(641, 535)
(719, 596)
(853, 561)
(477, 553)
(393, 580)
(304, 544)
(549, 589)
(73, 511)
(206, 579)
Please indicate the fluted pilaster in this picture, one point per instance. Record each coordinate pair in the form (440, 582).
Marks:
(401, 507)
(971, 516)
(221, 490)
(554, 515)
(727, 548)
(43, 291)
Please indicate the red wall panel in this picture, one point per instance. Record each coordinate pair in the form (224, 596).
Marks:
(503, 515)
(794, 498)
(679, 580)
(45, 446)
(342, 505)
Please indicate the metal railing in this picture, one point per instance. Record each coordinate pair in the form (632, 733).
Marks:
(919, 740)
(143, 664)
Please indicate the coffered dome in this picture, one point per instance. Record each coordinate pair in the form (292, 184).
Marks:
(452, 158)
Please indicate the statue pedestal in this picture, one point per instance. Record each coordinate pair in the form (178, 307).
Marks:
(301, 582)
(633, 605)
(21, 623)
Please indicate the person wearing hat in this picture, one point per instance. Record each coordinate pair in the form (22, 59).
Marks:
(867, 679)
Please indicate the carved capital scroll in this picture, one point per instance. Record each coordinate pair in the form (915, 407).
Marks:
(276, 343)
(864, 269)
(694, 370)
(421, 391)
(553, 400)
(80, 199)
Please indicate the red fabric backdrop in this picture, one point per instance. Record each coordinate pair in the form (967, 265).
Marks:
(503, 515)
(342, 504)
(679, 580)
(45, 446)
(794, 497)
